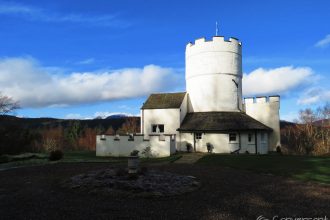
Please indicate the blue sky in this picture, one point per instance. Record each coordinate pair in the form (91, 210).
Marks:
(81, 59)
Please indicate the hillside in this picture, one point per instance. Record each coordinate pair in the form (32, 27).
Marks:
(39, 123)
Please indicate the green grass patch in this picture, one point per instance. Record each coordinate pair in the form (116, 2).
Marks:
(306, 168)
(31, 159)
(88, 156)
(24, 162)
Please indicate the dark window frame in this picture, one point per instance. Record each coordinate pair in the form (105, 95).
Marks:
(198, 136)
(161, 128)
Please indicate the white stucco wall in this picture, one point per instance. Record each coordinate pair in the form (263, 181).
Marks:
(267, 112)
(221, 144)
(219, 141)
(210, 68)
(160, 146)
(169, 117)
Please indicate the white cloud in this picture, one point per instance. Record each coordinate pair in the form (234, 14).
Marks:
(324, 42)
(13, 8)
(36, 86)
(314, 95)
(86, 61)
(40, 14)
(276, 81)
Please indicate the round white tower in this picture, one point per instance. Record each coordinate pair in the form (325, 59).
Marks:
(214, 75)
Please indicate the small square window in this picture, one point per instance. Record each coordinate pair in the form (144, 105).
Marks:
(198, 136)
(232, 137)
(157, 128)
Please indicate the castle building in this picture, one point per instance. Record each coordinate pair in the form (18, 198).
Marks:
(211, 114)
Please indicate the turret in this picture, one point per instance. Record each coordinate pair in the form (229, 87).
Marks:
(266, 110)
(214, 74)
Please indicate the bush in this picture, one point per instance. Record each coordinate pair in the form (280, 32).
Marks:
(55, 155)
(209, 147)
(134, 153)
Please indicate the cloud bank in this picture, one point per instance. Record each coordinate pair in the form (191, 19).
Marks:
(276, 81)
(33, 85)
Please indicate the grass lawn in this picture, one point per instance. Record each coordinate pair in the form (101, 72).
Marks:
(31, 159)
(306, 168)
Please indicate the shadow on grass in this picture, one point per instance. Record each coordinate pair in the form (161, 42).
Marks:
(306, 168)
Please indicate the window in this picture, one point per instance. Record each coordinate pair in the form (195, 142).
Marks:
(157, 128)
(232, 137)
(198, 136)
(250, 137)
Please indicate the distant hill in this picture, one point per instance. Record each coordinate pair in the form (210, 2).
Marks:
(284, 124)
(323, 123)
(117, 116)
(35, 123)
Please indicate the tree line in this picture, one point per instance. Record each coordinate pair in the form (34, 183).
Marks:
(72, 135)
(310, 135)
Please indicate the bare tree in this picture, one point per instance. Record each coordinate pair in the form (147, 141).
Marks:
(7, 104)
(311, 134)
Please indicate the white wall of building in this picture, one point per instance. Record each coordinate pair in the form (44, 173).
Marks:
(169, 117)
(221, 143)
(161, 145)
(210, 68)
(266, 110)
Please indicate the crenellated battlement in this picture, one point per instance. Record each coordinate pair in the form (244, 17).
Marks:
(215, 39)
(262, 99)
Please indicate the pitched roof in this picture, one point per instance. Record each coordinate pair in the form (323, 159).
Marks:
(164, 100)
(220, 121)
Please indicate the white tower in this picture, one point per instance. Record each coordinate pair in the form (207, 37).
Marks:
(214, 75)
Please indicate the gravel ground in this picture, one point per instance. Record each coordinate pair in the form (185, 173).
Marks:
(35, 193)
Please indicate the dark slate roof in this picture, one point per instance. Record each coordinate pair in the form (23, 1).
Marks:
(220, 121)
(164, 100)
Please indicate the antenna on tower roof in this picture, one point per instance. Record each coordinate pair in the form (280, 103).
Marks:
(216, 28)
